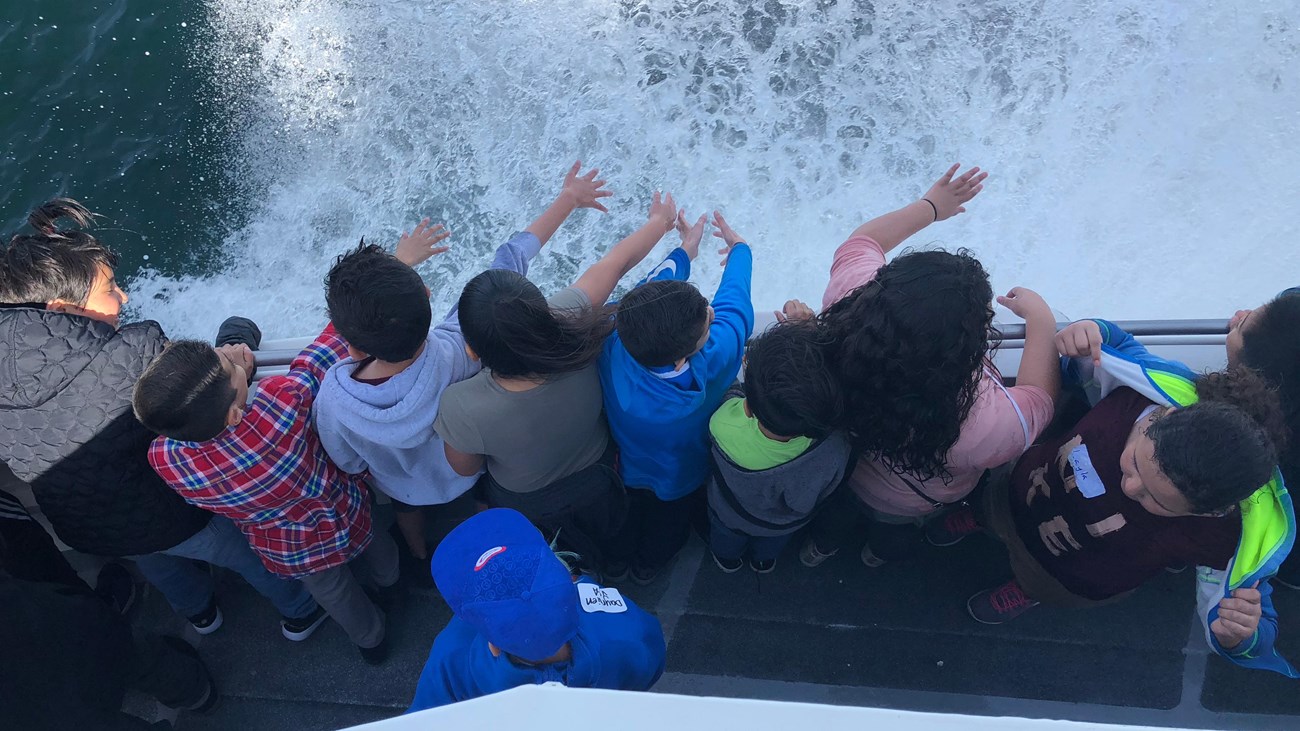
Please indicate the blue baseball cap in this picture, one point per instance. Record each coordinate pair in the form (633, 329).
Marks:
(498, 574)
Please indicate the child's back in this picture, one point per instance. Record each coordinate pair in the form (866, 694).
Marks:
(268, 472)
(386, 425)
(658, 401)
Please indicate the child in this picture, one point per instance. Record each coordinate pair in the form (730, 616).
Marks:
(376, 408)
(924, 404)
(776, 457)
(520, 619)
(66, 427)
(533, 415)
(664, 371)
(261, 465)
(1166, 470)
(1267, 340)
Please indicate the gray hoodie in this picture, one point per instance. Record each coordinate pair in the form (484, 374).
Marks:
(778, 500)
(388, 428)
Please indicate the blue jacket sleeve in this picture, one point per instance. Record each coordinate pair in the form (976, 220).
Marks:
(1115, 340)
(733, 314)
(677, 265)
(514, 255)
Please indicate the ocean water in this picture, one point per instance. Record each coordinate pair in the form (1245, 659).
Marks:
(1143, 154)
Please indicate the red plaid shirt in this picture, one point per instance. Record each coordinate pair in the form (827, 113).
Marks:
(270, 475)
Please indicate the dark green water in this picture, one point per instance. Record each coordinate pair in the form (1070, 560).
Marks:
(105, 102)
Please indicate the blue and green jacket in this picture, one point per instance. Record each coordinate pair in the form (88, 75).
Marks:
(1267, 516)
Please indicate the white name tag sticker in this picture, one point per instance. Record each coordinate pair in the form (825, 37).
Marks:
(600, 599)
(1085, 476)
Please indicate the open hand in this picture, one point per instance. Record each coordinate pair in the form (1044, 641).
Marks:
(794, 311)
(663, 209)
(422, 243)
(1026, 304)
(949, 194)
(1080, 339)
(585, 191)
(691, 234)
(727, 234)
(1238, 617)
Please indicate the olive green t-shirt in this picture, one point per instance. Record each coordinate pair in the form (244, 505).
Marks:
(529, 438)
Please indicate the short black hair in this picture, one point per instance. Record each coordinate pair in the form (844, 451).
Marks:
(53, 264)
(184, 393)
(378, 304)
(788, 385)
(1214, 453)
(661, 322)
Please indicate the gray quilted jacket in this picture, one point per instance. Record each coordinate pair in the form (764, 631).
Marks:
(66, 427)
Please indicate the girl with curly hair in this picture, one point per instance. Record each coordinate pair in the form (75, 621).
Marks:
(924, 404)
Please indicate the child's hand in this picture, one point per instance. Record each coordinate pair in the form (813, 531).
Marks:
(1080, 339)
(663, 210)
(948, 195)
(1238, 617)
(728, 236)
(240, 354)
(585, 191)
(422, 243)
(691, 234)
(1028, 305)
(795, 311)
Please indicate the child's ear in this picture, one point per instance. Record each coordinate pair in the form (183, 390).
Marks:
(355, 354)
(235, 414)
(427, 293)
(470, 352)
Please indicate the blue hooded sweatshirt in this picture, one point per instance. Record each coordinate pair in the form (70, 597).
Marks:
(661, 425)
(619, 646)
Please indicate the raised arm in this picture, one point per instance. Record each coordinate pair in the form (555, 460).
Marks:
(600, 278)
(1038, 362)
(945, 199)
(579, 191)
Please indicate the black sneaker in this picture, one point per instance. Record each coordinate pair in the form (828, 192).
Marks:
(763, 567)
(643, 575)
(209, 698)
(728, 565)
(375, 655)
(209, 620)
(116, 586)
(414, 570)
(615, 572)
(297, 630)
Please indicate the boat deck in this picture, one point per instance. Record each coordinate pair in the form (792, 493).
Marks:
(896, 636)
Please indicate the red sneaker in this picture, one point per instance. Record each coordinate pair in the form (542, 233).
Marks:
(1000, 604)
(949, 529)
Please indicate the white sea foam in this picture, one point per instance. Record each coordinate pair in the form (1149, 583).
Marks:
(1143, 154)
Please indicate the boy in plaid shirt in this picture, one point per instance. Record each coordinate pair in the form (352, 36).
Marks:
(261, 464)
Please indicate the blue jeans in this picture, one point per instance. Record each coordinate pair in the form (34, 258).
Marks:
(189, 588)
(727, 543)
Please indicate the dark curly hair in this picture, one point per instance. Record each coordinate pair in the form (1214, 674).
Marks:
(908, 348)
(1271, 347)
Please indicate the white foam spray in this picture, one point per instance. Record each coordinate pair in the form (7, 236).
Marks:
(1143, 154)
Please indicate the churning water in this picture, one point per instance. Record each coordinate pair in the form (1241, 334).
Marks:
(1143, 154)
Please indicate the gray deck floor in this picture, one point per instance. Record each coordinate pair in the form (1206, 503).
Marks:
(896, 636)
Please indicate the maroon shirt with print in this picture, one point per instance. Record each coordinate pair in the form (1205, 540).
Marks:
(1074, 519)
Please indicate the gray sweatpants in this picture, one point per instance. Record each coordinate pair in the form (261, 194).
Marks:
(339, 591)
